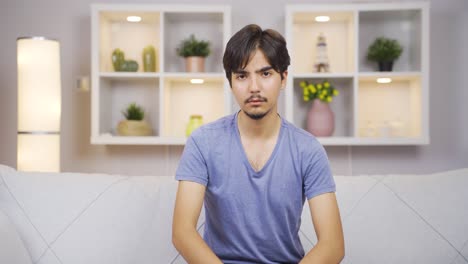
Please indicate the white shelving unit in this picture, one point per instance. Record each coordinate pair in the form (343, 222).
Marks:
(167, 95)
(366, 112)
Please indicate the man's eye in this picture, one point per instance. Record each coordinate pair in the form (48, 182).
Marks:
(266, 73)
(240, 76)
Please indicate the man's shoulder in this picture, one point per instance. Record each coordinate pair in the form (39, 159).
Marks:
(221, 123)
(299, 134)
(214, 129)
(300, 138)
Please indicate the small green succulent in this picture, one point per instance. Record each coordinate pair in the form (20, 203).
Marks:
(134, 112)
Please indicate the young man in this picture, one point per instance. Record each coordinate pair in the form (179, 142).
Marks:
(254, 170)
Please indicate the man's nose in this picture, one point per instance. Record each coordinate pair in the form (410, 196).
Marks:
(254, 84)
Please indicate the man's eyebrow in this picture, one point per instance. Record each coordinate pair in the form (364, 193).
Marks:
(264, 69)
(242, 71)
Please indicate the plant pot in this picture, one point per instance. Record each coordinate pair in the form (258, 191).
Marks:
(320, 119)
(385, 65)
(195, 64)
(134, 128)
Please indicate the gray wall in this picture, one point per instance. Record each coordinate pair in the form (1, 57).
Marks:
(69, 21)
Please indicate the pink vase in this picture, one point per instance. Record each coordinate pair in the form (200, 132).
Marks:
(320, 119)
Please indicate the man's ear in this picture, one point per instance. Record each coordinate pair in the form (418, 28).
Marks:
(284, 79)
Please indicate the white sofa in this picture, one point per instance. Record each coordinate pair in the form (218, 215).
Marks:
(98, 219)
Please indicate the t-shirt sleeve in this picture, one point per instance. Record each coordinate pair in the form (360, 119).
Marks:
(192, 165)
(318, 178)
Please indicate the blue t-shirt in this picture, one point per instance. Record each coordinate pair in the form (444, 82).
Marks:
(254, 217)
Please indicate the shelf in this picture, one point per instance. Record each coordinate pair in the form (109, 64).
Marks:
(402, 25)
(191, 75)
(324, 75)
(370, 76)
(116, 94)
(393, 109)
(357, 141)
(183, 99)
(340, 38)
(108, 139)
(169, 95)
(341, 105)
(332, 141)
(366, 112)
(206, 26)
(129, 75)
(131, 37)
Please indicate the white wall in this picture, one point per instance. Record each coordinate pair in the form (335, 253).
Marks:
(69, 21)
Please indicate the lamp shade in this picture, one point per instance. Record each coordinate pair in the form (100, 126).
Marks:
(39, 104)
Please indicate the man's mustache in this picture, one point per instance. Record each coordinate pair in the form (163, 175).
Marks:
(255, 98)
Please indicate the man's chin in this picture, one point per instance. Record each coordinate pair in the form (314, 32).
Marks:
(256, 115)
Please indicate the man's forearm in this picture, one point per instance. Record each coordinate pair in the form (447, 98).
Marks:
(193, 248)
(323, 253)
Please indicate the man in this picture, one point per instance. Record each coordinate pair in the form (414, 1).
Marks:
(254, 170)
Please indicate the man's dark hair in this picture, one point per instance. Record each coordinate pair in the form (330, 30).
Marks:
(240, 47)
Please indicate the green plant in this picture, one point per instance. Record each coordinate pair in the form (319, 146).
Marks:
(324, 91)
(384, 49)
(193, 47)
(134, 112)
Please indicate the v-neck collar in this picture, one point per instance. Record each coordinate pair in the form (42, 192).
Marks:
(244, 154)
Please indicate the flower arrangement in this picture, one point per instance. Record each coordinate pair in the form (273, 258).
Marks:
(324, 91)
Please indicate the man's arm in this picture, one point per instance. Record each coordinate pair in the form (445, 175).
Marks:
(185, 237)
(327, 225)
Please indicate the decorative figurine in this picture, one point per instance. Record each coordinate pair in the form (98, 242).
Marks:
(321, 57)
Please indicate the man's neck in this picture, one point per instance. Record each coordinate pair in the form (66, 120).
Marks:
(263, 128)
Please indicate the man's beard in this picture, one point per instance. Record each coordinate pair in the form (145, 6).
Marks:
(256, 116)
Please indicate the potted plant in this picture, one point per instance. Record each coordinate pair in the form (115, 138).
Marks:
(384, 51)
(320, 118)
(194, 51)
(134, 125)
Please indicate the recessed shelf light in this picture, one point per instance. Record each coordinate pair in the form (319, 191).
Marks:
(133, 19)
(384, 80)
(322, 18)
(197, 81)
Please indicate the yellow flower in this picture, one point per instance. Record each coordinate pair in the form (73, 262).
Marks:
(312, 88)
(326, 84)
(319, 86)
(321, 96)
(306, 98)
(335, 92)
(329, 99)
(303, 84)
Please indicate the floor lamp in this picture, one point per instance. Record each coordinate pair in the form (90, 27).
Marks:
(39, 104)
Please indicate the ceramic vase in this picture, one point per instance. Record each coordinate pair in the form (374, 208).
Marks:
(149, 59)
(320, 119)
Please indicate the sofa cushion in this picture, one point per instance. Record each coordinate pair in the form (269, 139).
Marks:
(12, 249)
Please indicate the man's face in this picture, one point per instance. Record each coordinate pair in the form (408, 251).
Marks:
(257, 87)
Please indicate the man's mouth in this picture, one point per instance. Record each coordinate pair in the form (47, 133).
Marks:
(255, 100)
